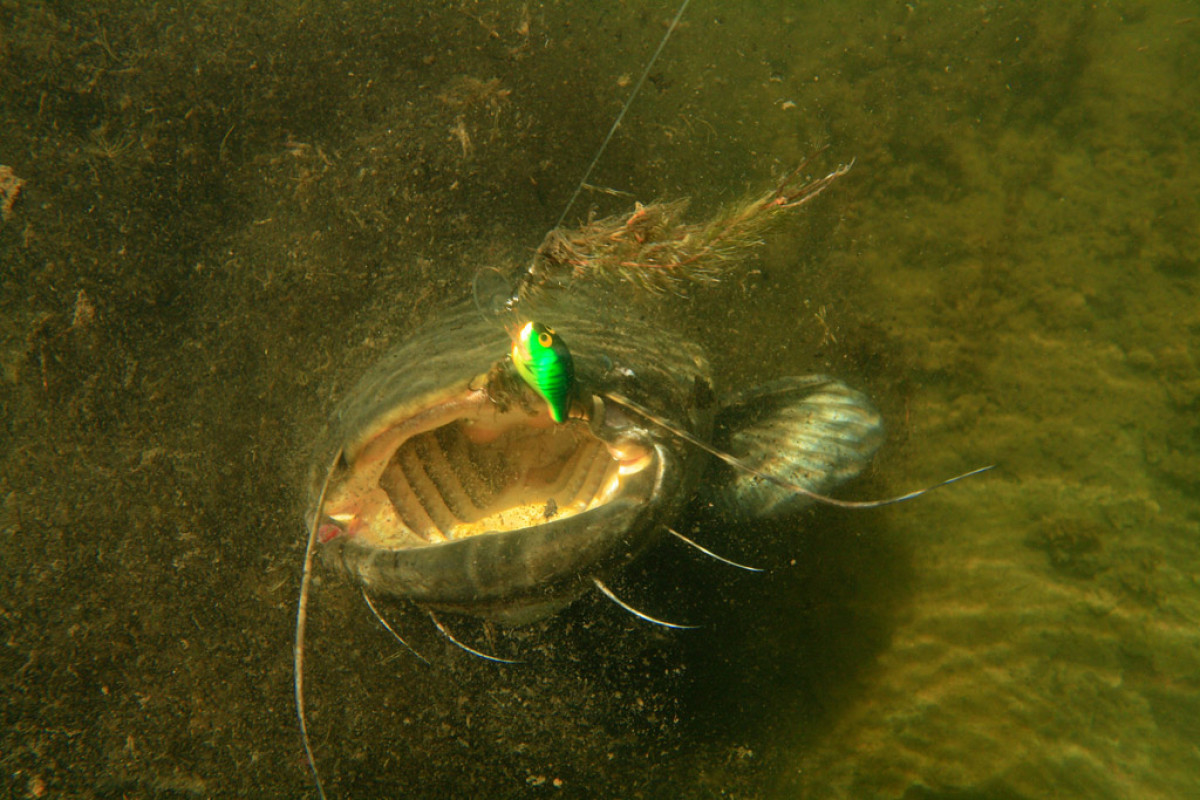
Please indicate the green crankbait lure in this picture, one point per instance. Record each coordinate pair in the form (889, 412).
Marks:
(544, 363)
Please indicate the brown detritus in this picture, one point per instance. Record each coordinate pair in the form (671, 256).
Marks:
(10, 189)
(85, 311)
(652, 247)
(470, 92)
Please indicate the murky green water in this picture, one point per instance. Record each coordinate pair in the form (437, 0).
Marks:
(230, 209)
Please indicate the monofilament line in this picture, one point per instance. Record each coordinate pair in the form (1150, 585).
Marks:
(617, 122)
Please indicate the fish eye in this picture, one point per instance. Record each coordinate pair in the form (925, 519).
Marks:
(545, 339)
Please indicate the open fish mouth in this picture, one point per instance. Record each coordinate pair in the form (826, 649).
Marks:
(444, 480)
(491, 508)
(467, 468)
(470, 476)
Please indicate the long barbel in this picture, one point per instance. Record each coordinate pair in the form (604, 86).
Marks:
(737, 463)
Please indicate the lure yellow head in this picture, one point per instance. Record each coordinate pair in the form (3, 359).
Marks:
(544, 363)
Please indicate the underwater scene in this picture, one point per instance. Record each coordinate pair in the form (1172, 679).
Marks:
(216, 217)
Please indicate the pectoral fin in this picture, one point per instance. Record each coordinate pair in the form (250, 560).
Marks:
(814, 432)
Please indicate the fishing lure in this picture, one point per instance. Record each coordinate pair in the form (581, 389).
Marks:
(544, 363)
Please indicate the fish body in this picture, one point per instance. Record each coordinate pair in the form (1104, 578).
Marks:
(449, 460)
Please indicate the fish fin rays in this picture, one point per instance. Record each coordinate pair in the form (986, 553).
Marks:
(812, 432)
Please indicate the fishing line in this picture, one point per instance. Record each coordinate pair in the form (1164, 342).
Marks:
(514, 296)
(617, 122)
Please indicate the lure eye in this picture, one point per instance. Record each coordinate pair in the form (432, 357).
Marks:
(545, 339)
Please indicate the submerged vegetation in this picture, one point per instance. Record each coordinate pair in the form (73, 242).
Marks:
(654, 249)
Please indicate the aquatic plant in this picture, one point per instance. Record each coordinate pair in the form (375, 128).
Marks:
(653, 248)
